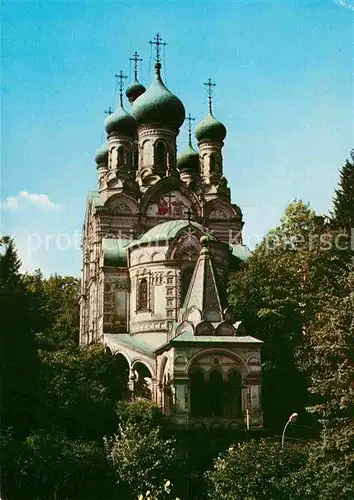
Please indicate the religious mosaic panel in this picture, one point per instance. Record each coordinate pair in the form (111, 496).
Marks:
(173, 204)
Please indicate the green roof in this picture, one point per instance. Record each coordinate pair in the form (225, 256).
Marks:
(210, 129)
(115, 252)
(241, 252)
(208, 339)
(96, 199)
(238, 339)
(165, 232)
(131, 341)
(158, 105)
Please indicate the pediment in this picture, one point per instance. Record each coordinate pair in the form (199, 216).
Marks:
(121, 204)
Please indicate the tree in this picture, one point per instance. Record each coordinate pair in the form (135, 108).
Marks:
(57, 309)
(49, 466)
(141, 458)
(343, 209)
(275, 295)
(260, 471)
(80, 389)
(330, 365)
(19, 366)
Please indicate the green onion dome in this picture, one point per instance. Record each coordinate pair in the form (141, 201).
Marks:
(158, 105)
(120, 122)
(210, 129)
(134, 91)
(101, 155)
(188, 161)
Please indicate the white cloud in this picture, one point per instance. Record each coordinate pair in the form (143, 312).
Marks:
(41, 201)
(345, 3)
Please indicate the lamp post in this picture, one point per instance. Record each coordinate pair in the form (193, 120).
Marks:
(292, 418)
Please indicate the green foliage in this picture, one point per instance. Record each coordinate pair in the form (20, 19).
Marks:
(158, 494)
(49, 466)
(273, 294)
(343, 213)
(330, 364)
(79, 391)
(142, 459)
(57, 309)
(19, 366)
(145, 414)
(259, 471)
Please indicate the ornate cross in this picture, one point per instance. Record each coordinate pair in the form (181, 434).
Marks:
(136, 59)
(210, 92)
(120, 82)
(190, 119)
(157, 41)
(108, 111)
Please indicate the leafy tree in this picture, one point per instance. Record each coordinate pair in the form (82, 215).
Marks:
(80, 389)
(343, 210)
(330, 365)
(260, 470)
(145, 414)
(19, 367)
(57, 309)
(142, 459)
(49, 466)
(275, 295)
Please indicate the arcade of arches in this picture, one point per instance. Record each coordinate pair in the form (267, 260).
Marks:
(214, 395)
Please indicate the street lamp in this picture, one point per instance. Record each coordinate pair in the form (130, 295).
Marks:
(292, 418)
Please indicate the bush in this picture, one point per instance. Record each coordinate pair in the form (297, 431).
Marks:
(141, 459)
(259, 471)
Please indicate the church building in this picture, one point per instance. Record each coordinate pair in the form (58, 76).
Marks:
(160, 236)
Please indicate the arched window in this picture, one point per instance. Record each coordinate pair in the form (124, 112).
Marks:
(234, 394)
(120, 156)
(216, 397)
(142, 294)
(213, 162)
(197, 394)
(160, 155)
(136, 158)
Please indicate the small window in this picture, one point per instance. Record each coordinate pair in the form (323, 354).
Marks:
(212, 162)
(143, 294)
(121, 156)
(160, 155)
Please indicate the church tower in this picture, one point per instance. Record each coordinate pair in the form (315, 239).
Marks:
(160, 235)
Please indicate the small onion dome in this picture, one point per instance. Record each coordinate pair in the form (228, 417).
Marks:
(134, 91)
(120, 122)
(101, 155)
(210, 129)
(158, 105)
(188, 161)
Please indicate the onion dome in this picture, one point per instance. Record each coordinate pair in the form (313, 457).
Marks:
(101, 155)
(134, 91)
(158, 105)
(210, 129)
(120, 122)
(188, 161)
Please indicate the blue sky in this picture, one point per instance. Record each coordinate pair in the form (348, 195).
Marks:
(284, 75)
